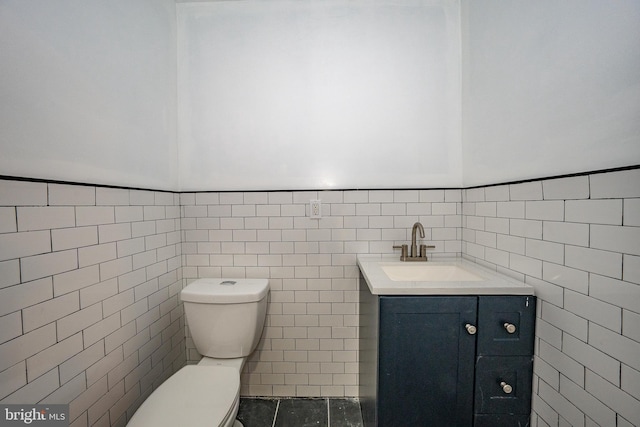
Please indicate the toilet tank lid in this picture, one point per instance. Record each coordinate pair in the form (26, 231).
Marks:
(225, 291)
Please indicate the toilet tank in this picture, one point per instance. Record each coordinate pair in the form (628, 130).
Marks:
(226, 316)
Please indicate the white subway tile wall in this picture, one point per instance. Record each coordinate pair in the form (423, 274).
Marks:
(309, 345)
(89, 310)
(90, 276)
(577, 242)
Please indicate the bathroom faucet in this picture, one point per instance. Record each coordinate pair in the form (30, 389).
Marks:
(414, 255)
(414, 247)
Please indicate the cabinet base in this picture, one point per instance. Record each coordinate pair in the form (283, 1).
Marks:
(501, 420)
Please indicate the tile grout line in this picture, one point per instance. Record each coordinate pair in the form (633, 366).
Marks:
(275, 415)
(328, 415)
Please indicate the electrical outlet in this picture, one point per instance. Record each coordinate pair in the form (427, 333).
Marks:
(315, 209)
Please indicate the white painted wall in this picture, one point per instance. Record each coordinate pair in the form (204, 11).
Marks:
(549, 87)
(319, 94)
(88, 91)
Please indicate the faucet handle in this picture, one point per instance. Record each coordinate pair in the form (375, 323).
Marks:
(423, 250)
(404, 250)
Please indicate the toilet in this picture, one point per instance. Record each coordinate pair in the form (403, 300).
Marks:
(225, 317)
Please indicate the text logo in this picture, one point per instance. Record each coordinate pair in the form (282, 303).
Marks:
(34, 415)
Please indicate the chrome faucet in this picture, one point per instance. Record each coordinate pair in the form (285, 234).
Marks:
(414, 255)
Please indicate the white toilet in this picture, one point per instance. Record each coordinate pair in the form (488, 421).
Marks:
(225, 317)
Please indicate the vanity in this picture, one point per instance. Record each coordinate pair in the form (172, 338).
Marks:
(444, 343)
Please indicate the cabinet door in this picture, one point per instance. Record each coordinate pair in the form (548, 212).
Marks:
(506, 325)
(503, 384)
(426, 358)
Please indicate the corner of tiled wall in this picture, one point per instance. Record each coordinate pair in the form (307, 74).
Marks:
(90, 277)
(576, 240)
(89, 310)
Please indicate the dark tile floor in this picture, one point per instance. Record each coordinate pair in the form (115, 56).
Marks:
(271, 412)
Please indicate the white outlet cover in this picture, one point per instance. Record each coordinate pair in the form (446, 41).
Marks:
(315, 209)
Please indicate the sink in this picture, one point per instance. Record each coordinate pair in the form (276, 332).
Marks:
(386, 275)
(429, 273)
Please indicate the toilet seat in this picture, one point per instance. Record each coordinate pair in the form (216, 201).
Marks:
(195, 396)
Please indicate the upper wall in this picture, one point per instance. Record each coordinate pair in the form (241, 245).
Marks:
(549, 88)
(88, 91)
(336, 94)
(318, 95)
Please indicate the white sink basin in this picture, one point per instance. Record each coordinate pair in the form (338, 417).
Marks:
(429, 273)
(386, 275)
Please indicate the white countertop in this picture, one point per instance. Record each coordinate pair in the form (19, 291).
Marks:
(491, 283)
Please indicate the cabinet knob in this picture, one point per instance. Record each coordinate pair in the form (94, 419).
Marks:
(510, 327)
(471, 330)
(506, 388)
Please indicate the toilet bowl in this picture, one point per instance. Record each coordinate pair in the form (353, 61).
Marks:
(226, 318)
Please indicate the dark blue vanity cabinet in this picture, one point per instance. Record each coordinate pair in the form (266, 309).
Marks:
(446, 361)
